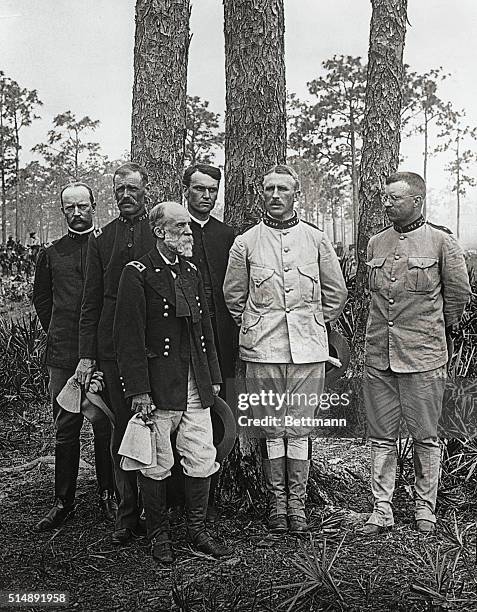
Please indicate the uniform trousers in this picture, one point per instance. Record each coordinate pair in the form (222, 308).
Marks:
(67, 440)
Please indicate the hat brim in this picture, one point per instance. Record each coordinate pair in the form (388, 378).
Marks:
(338, 347)
(224, 428)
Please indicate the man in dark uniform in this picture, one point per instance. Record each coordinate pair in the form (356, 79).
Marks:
(168, 364)
(57, 291)
(125, 239)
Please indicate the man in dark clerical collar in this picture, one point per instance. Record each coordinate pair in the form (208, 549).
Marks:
(57, 291)
(212, 242)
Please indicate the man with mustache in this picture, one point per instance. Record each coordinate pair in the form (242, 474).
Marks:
(126, 238)
(168, 363)
(419, 287)
(57, 290)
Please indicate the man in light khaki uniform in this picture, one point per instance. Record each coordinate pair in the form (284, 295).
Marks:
(419, 287)
(282, 286)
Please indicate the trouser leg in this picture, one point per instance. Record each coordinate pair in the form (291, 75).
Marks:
(274, 473)
(427, 457)
(67, 439)
(102, 455)
(126, 481)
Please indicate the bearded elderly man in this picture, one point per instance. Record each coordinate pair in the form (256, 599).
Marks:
(419, 287)
(283, 286)
(168, 362)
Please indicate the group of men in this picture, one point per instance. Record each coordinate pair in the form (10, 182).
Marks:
(154, 301)
(18, 260)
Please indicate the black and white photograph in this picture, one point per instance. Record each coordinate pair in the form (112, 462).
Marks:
(238, 305)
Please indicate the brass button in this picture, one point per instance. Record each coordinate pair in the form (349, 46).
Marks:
(401, 237)
(287, 310)
(393, 279)
(286, 249)
(396, 256)
(287, 290)
(390, 324)
(286, 269)
(166, 314)
(391, 301)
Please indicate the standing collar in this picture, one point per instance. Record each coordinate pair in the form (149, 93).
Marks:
(198, 221)
(135, 220)
(277, 224)
(403, 229)
(78, 235)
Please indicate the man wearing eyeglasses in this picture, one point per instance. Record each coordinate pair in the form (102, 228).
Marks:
(419, 287)
(57, 291)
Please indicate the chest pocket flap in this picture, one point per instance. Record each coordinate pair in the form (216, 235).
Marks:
(309, 276)
(260, 275)
(375, 273)
(421, 262)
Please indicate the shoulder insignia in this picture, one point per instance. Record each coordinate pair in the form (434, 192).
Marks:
(48, 245)
(192, 265)
(311, 224)
(382, 230)
(97, 232)
(443, 228)
(138, 265)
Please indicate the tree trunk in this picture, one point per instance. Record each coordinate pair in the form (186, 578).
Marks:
(426, 153)
(381, 140)
(255, 139)
(159, 95)
(457, 183)
(2, 162)
(354, 177)
(255, 118)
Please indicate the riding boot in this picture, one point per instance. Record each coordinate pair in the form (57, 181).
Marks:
(297, 478)
(154, 498)
(274, 476)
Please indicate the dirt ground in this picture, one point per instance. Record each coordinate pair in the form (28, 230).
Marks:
(387, 572)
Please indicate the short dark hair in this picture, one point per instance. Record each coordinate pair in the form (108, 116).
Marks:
(130, 167)
(77, 184)
(212, 171)
(413, 180)
(284, 169)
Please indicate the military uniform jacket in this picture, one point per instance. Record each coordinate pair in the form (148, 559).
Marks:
(57, 290)
(419, 286)
(109, 250)
(281, 287)
(155, 347)
(216, 239)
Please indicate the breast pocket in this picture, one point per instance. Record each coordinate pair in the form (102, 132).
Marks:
(376, 273)
(261, 285)
(422, 274)
(309, 278)
(250, 329)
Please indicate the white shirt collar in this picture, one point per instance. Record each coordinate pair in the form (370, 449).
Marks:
(168, 261)
(201, 223)
(90, 229)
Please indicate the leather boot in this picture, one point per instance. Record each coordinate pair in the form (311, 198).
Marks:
(212, 514)
(383, 478)
(427, 457)
(102, 458)
(297, 477)
(274, 476)
(154, 495)
(196, 497)
(108, 505)
(60, 512)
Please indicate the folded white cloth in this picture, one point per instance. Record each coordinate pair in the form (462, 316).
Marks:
(138, 446)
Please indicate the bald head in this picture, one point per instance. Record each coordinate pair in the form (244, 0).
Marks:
(170, 223)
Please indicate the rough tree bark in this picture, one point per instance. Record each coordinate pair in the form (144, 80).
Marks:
(255, 139)
(255, 119)
(159, 95)
(381, 140)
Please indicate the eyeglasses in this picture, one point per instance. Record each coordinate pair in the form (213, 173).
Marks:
(80, 207)
(393, 199)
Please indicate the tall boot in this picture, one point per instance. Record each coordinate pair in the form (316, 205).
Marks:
(297, 478)
(154, 496)
(427, 457)
(66, 474)
(212, 514)
(383, 478)
(274, 476)
(196, 497)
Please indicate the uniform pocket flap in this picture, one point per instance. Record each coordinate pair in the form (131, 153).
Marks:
(421, 262)
(377, 262)
(260, 275)
(311, 270)
(249, 320)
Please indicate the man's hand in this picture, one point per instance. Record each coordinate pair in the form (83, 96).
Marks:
(84, 372)
(142, 404)
(215, 389)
